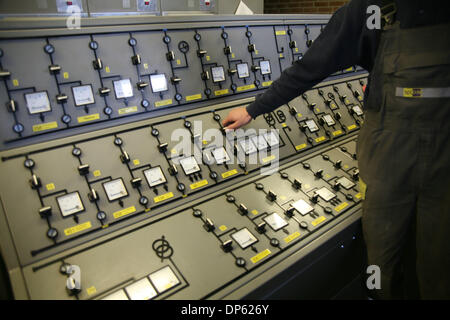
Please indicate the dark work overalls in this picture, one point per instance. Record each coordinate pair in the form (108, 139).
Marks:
(404, 160)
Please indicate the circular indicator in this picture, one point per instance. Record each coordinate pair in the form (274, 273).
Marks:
(197, 37)
(66, 118)
(143, 201)
(18, 128)
(93, 45)
(49, 48)
(28, 163)
(217, 117)
(132, 42)
(76, 152)
(233, 87)
(231, 198)
(187, 124)
(224, 35)
(248, 34)
(145, 103)
(108, 111)
(52, 233)
(197, 213)
(118, 141)
(181, 187)
(259, 186)
(178, 97)
(213, 175)
(166, 39)
(207, 92)
(155, 132)
(183, 46)
(257, 83)
(101, 215)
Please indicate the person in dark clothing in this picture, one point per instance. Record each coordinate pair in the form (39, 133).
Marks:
(403, 146)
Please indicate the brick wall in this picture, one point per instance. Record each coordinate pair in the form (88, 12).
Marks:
(302, 6)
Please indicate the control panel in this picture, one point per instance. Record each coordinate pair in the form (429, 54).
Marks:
(113, 146)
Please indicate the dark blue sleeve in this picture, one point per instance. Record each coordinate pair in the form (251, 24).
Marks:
(344, 42)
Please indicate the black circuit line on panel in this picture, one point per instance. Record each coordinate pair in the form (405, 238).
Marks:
(280, 51)
(166, 40)
(224, 36)
(255, 68)
(132, 42)
(299, 55)
(204, 76)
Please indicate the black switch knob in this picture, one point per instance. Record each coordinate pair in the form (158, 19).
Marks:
(355, 175)
(12, 106)
(209, 225)
(232, 71)
(338, 164)
(296, 184)
(271, 196)
(175, 80)
(54, 68)
(61, 98)
(205, 75)
(319, 173)
(251, 47)
(170, 56)
(83, 169)
(173, 170)
(141, 85)
(255, 68)
(97, 64)
(312, 105)
(293, 111)
(136, 182)
(93, 195)
(227, 246)
(261, 228)
(104, 91)
(293, 44)
(315, 198)
(163, 147)
(136, 59)
(227, 50)
(201, 53)
(289, 212)
(243, 209)
(124, 157)
(45, 212)
(336, 186)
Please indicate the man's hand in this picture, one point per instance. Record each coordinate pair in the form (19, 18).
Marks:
(236, 118)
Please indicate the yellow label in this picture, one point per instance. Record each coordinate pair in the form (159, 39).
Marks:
(208, 58)
(292, 237)
(107, 69)
(299, 115)
(346, 166)
(229, 173)
(78, 228)
(300, 146)
(283, 198)
(221, 92)
(162, 103)
(233, 55)
(267, 83)
(194, 97)
(353, 126)
(45, 126)
(105, 226)
(358, 195)
(280, 32)
(284, 125)
(178, 62)
(333, 106)
(319, 139)
(341, 206)
(223, 228)
(363, 188)
(145, 65)
(337, 132)
(163, 197)
(91, 290)
(254, 212)
(412, 92)
(173, 151)
(88, 118)
(318, 220)
(247, 87)
(281, 55)
(347, 101)
(66, 75)
(256, 51)
(317, 110)
(124, 212)
(205, 142)
(97, 173)
(136, 162)
(50, 186)
(260, 256)
(15, 82)
(128, 110)
(269, 158)
(296, 49)
(349, 69)
(199, 184)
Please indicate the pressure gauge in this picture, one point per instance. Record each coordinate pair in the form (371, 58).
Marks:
(302, 207)
(38, 102)
(83, 95)
(221, 155)
(312, 126)
(158, 82)
(260, 142)
(325, 194)
(123, 88)
(70, 204)
(275, 221)
(265, 67)
(115, 189)
(189, 165)
(247, 146)
(244, 238)
(218, 74)
(329, 120)
(357, 110)
(346, 183)
(242, 70)
(155, 176)
(271, 138)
